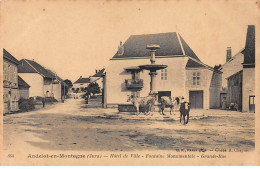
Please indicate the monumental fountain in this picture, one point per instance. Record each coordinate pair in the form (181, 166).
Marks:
(153, 68)
(152, 72)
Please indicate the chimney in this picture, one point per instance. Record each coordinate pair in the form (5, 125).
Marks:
(120, 50)
(80, 77)
(96, 71)
(229, 54)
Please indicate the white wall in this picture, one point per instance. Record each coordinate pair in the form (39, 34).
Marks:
(80, 85)
(232, 67)
(205, 80)
(115, 78)
(55, 89)
(35, 81)
(248, 87)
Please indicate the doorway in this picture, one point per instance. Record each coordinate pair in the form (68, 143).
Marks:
(196, 99)
(252, 104)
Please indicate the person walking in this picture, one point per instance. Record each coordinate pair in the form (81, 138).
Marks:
(43, 102)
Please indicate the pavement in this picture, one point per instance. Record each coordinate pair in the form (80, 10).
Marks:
(75, 126)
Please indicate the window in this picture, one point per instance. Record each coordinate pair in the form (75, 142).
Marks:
(251, 99)
(164, 74)
(47, 81)
(196, 78)
(5, 71)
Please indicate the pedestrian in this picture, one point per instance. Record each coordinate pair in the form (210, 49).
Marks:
(87, 97)
(43, 102)
(9, 102)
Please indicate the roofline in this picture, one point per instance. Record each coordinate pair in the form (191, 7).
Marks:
(154, 33)
(234, 74)
(81, 82)
(178, 36)
(234, 56)
(95, 79)
(207, 66)
(146, 57)
(34, 68)
(13, 60)
(10, 60)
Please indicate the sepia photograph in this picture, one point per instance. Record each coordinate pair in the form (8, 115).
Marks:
(129, 83)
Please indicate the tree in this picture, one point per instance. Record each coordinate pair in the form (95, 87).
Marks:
(68, 83)
(93, 88)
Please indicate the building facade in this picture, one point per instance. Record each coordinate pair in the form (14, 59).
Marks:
(249, 72)
(241, 84)
(10, 83)
(42, 81)
(81, 84)
(23, 88)
(185, 75)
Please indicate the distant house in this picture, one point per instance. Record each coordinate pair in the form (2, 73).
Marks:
(241, 84)
(43, 82)
(185, 75)
(23, 88)
(98, 77)
(80, 84)
(10, 83)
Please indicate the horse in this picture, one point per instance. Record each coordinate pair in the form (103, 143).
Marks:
(144, 102)
(185, 111)
(167, 101)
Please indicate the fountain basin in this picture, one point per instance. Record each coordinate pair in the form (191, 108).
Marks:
(153, 67)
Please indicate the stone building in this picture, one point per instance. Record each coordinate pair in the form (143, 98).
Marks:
(10, 83)
(241, 84)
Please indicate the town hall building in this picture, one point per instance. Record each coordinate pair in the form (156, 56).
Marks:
(185, 75)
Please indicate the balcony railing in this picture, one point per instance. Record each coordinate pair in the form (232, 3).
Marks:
(134, 84)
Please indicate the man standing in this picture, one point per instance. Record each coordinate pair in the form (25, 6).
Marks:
(43, 102)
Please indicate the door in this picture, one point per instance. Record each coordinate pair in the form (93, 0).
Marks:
(252, 104)
(196, 99)
(223, 100)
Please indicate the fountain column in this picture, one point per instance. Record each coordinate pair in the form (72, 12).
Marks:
(152, 68)
(152, 83)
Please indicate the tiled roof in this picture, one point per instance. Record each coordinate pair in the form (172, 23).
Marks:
(83, 80)
(135, 46)
(8, 56)
(99, 73)
(22, 83)
(30, 66)
(54, 74)
(171, 44)
(192, 63)
(249, 53)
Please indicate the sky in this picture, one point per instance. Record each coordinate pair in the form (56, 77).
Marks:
(73, 37)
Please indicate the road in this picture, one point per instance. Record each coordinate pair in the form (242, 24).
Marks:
(78, 127)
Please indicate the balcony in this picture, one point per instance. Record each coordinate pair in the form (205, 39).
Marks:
(134, 84)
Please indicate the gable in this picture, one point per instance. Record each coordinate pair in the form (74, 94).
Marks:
(30, 66)
(24, 67)
(250, 46)
(9, 57)
(83, 80)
